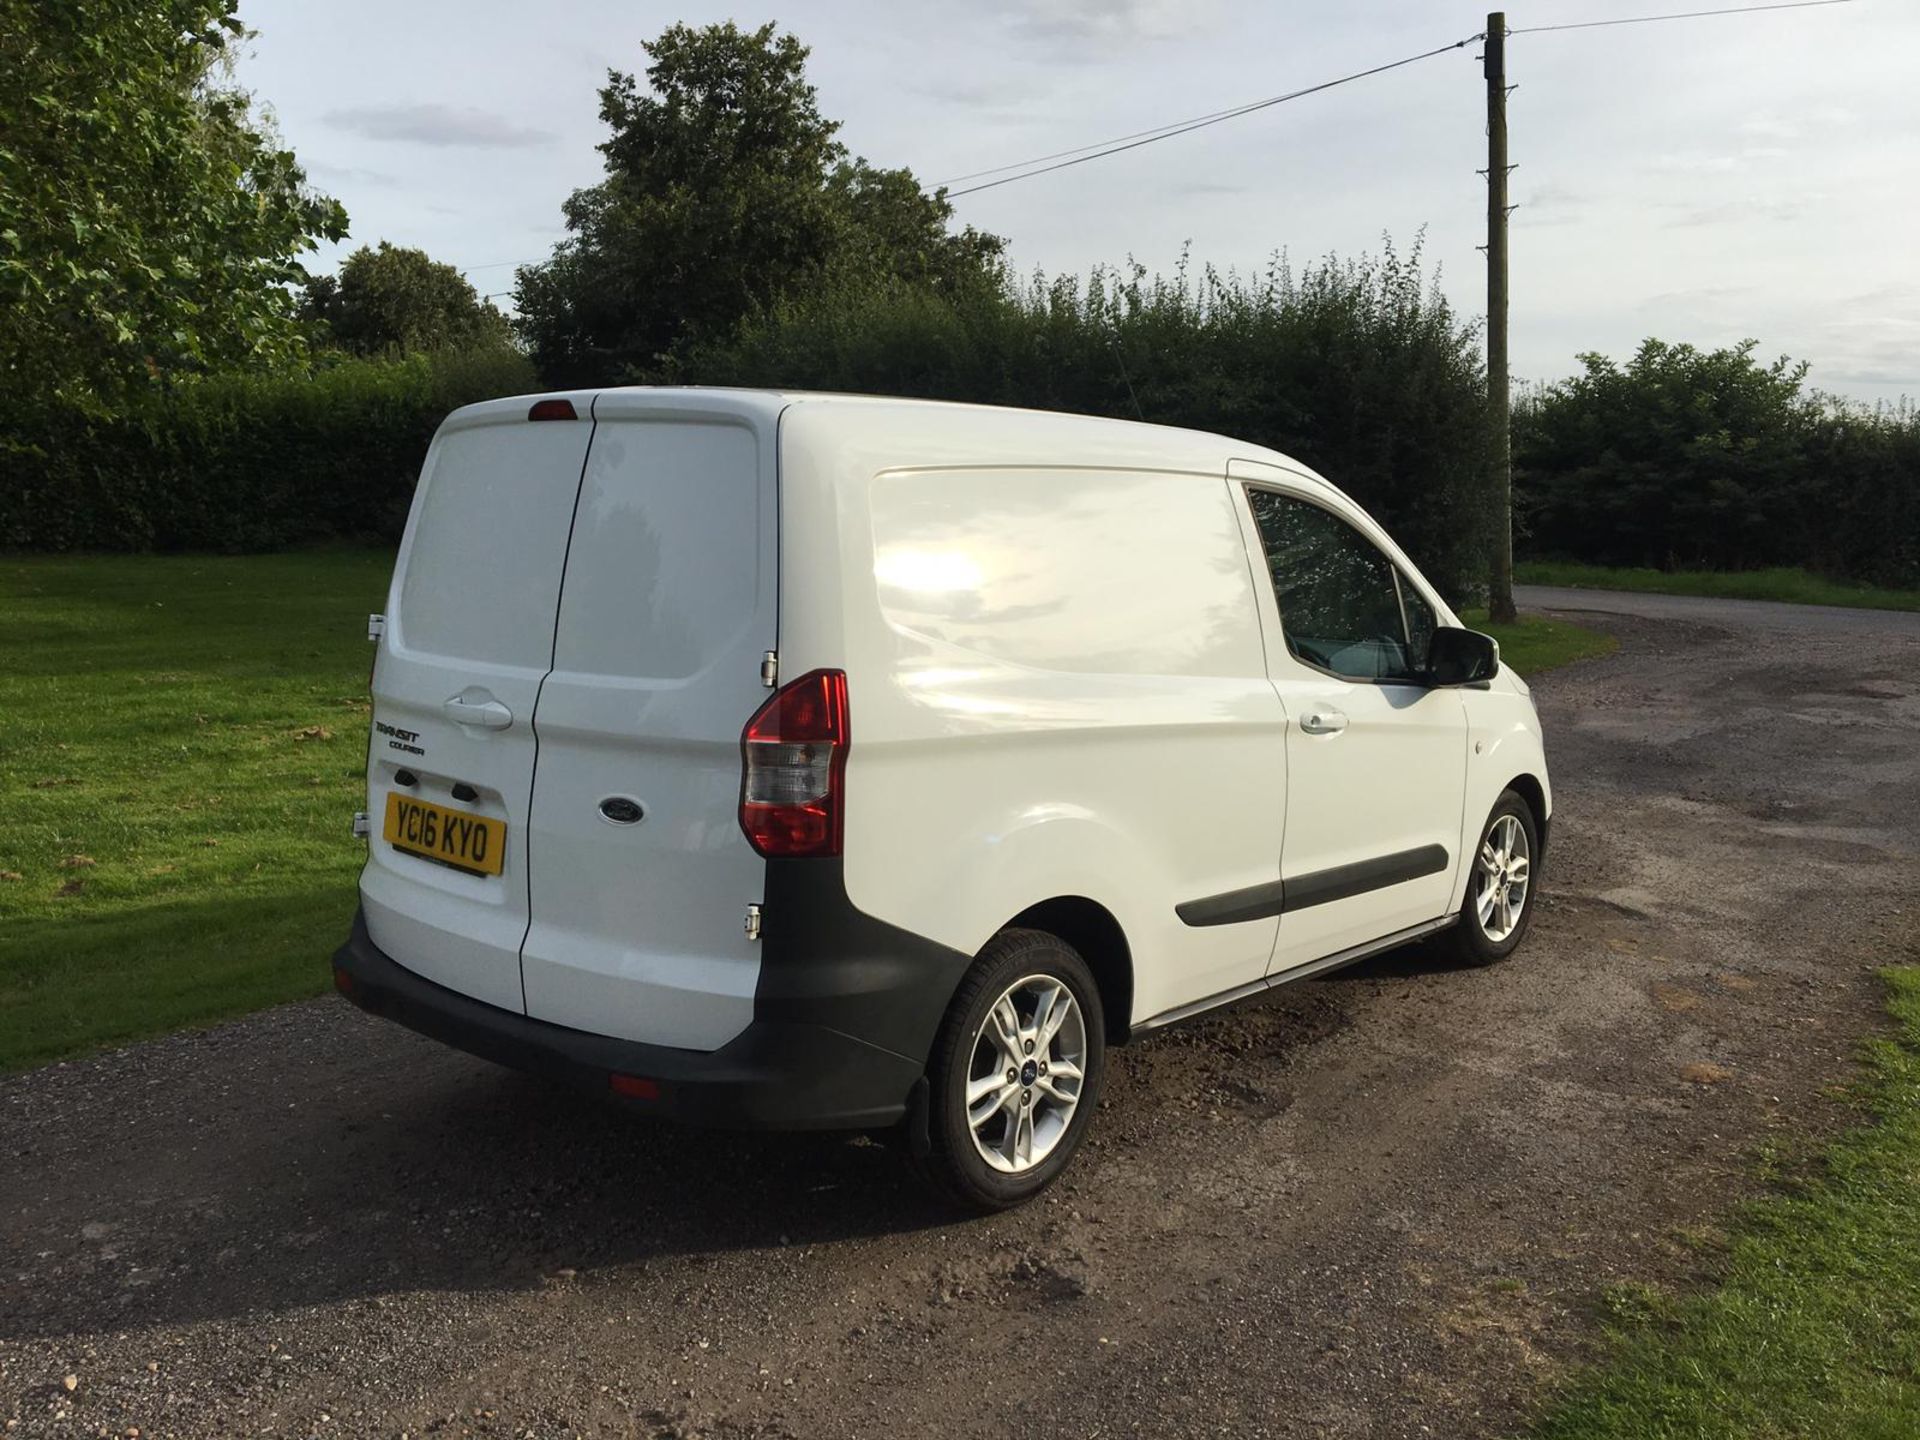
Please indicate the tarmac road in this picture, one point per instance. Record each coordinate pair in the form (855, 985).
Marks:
(1379, 1204)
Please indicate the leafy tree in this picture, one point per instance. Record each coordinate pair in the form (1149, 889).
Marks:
(148, 222)
(724, 189)
(394, 298)
(1679, 458)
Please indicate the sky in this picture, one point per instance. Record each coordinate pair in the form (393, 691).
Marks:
(1701, 180)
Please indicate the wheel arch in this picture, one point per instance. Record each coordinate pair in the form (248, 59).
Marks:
(1529, 789)
(1090, 928)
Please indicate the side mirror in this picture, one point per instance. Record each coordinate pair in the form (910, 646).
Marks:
(1462, 657)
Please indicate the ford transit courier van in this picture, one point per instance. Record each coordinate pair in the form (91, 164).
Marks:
(814, 760)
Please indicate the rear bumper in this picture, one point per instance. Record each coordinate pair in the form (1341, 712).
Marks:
(774, 1075)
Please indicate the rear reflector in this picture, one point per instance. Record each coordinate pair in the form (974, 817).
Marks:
(793, 762)
(634, 1087)
(342, 981)
(552, 410)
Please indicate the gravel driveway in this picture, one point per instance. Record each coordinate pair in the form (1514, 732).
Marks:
(1384, 1203)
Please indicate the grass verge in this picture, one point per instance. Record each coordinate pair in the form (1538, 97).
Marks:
(183, 749)
(1799, 586)
(1815, 1328)
(1533, 643)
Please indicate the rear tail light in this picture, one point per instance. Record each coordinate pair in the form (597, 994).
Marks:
(552, 410)
(793, 768)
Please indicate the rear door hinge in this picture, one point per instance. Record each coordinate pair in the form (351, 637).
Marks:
(376, 626)
(753, 922)
(770, 669)
(362, 826)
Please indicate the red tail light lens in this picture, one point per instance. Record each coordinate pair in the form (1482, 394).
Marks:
(793, 768)
(552, 410)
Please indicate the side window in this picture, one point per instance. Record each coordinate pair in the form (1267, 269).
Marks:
(1339, 597)
(1421, 621)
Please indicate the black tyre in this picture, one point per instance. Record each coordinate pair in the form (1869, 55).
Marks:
(1015, 1074)
(1500, 893)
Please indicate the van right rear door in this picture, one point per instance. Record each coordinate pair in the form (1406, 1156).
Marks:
(642, 877)
(470, 626)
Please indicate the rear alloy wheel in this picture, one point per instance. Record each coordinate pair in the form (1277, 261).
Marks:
(1499, 902)
(1015, 1075)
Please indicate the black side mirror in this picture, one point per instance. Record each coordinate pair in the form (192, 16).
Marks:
(1462, 657)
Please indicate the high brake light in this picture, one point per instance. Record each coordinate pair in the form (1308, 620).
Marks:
(793, 758)
(552, 410)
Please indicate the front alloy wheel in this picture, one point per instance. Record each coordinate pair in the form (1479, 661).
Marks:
(1500, 892)
(1501, 878)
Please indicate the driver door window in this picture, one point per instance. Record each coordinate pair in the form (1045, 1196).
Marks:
(1339, 597)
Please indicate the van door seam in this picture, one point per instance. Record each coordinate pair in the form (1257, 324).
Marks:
(533, 720)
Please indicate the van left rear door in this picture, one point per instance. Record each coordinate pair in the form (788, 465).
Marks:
(469, 639)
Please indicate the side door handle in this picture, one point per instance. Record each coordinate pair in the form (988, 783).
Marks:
(487, 714)
(1323, 720)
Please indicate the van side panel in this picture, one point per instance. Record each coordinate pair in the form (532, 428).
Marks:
(1057, 683)
(667, 607)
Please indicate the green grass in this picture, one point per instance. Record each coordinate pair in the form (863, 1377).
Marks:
(1814, 1329)
(1533, 643)
(1800, 586)
(182, 748)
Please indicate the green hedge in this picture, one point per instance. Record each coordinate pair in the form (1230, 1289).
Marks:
(1358, 368)
(1684, 459)
(242, 463)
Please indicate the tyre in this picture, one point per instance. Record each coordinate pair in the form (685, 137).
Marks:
(1500, 893)
(1015, 1074)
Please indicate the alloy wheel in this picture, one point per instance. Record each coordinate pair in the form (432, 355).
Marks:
(1502, 875)
(1026, 1073)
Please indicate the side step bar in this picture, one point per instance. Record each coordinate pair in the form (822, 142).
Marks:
(1321, 966)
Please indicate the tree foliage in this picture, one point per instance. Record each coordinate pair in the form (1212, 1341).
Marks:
(1686, 458)
(149, 225)
(725, 188)
(1358, 368)
(395, 298)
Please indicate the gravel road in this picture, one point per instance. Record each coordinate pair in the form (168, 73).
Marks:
(1385, 1203)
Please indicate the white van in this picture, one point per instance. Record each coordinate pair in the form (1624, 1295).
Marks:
(806, 760)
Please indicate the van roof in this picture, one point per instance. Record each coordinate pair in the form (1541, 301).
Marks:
(994, 433)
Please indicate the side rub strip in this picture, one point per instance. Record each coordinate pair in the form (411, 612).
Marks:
(1276, 897)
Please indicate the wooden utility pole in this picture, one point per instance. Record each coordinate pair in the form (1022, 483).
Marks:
(1499, 410)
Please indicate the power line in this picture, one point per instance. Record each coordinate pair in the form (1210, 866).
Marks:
(1101, 149)
(1679, 15)
(1155, 131)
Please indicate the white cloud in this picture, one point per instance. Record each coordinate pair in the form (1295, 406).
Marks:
(437, 125)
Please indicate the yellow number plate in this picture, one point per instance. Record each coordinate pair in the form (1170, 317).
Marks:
(453, 837)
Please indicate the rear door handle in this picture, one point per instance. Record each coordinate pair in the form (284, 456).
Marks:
(487, 714)
(1323, 721)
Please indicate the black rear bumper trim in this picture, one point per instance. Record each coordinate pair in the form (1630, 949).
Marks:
(772, 1076)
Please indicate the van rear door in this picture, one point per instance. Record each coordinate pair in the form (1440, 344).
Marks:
(641, 875)
(469, 637)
